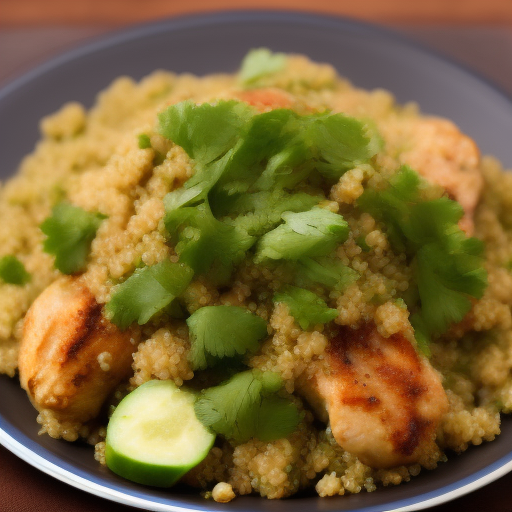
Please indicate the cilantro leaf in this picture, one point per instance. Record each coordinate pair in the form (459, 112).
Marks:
(304, 234)
(332, 273)
(204, 131)
(445, 305)
(286, 168)
(241, 155)
(260, 62)
(12, 271)
(207, 133)
(342, 142)
(204, 241)
(195, 191)
(261, 211)
(445, 282)
(448, 266)
(70, 232)
(277, 417)
(434, 220)
(264, 135)
(392, 205)
(241, 204)
(176, 213)
(146, 292)
(217, 332)
(306, 307)
(246, 407)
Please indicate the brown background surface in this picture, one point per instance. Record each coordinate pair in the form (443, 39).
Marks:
(477, 33)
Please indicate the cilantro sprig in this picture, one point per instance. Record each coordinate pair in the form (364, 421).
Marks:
(218, 332)
(245, 162)
(448, 266)
(247, 406)
(69, 232)
(237, 149)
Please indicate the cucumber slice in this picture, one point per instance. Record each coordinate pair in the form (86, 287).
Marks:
(154, 436)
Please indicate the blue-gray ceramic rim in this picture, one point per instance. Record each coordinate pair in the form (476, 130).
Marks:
(370, 57)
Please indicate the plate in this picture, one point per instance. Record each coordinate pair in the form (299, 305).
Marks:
(369, 57)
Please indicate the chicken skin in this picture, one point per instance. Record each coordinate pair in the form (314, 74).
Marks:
(383, 400)
(71, 357)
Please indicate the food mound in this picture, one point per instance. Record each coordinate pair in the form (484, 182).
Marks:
(259, 283)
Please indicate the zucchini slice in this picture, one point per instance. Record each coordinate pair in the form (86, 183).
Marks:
(154, 436)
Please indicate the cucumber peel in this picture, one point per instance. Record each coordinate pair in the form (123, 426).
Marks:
(154, 436)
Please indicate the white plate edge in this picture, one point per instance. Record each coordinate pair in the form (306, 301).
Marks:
(101, 491)
(457, 493)
(84, 484)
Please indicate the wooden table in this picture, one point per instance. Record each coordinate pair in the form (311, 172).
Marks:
(477, 33)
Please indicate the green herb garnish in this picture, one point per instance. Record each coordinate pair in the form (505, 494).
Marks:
(261, 211)
(331, 273)
(12, 271)
(306, 307)
(70, 232)
(259, 63)
(203, 242)
(305, 234)
(342, 142)
(244, 164)
(146, 292)
(447, 278)
(247, 406)
(236, 149)
(204, 131)
(218, 332)
(448, 266)
(264, 136)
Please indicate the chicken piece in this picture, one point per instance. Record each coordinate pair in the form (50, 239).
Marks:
(446, 157)
(64, 332)
(383, 400)
(267, 99)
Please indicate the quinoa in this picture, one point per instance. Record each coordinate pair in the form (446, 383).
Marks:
(223, 492)
(94, 160)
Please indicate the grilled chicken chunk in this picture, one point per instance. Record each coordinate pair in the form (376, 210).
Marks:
(383, 401)
(71, 357)
(446, 157)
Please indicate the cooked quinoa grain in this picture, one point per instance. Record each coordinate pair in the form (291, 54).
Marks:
(223, 493)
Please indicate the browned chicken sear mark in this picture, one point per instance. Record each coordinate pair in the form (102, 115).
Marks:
(384, 401)
(406, 384)
(86, 330)
(64, 335)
